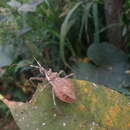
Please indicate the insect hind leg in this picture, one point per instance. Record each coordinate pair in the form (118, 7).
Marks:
(54, 102)
(67, 76)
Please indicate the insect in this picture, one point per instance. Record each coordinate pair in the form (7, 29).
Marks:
(62, 88)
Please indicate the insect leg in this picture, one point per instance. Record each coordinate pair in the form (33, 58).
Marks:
(61, 71)
(69, 75)
(53, 96)
(54, 101)
(37, 78)
(49, 72)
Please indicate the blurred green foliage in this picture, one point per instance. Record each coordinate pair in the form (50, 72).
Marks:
(56, 32)
(53, 32)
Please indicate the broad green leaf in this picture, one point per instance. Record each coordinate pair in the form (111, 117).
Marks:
(106, 54)
(96, 107)
(110, 67)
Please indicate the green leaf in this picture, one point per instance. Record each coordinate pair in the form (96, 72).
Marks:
(96, 108)
(96, 23)
(84, 21)
(66, 26)
(109, 67)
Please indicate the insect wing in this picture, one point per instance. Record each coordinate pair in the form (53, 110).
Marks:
(63, 89)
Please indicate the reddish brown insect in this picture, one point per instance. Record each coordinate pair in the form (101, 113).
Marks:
(62, 88)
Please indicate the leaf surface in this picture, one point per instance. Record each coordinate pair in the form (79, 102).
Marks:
(96, 107)
(110, 67)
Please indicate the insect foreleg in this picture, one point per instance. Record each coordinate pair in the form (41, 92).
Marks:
(36, 78)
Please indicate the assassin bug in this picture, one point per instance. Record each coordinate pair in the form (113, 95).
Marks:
(62, 88)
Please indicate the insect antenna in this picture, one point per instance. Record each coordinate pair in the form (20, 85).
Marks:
(41, 69)
(37, 62)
